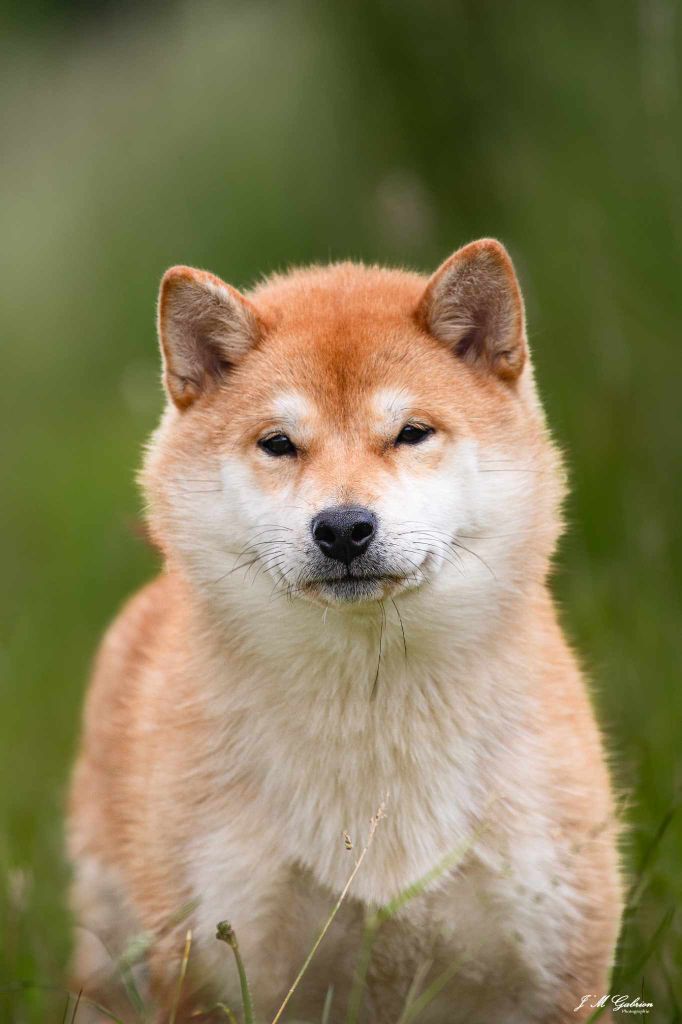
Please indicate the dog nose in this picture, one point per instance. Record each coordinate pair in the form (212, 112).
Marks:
(345, 532)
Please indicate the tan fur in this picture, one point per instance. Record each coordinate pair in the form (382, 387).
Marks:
(231, 734)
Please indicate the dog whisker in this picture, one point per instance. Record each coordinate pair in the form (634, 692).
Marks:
(475, 555)
(402, 627)
(381, 638)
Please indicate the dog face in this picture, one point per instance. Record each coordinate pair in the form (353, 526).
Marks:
(346, 434)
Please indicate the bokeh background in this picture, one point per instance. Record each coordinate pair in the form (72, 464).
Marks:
(247, 136)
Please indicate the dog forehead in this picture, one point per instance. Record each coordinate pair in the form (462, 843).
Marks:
(385, 405)
(345, 320)
(318, 368)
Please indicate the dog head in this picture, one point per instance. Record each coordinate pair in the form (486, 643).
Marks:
(346, 434)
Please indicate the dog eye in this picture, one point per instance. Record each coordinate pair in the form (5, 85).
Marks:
(412, 434)
(277, 444)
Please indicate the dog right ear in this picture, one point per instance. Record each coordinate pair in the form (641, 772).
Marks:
(205, 328)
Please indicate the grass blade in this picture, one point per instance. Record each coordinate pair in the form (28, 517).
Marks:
(76, 1005)
(385, 913)
(181, 976)
(28, 986)
(327, 1008)
(654, 942)
(429, 994)
(358, 989)
(677, 1011)
(227, 1011)
(335, 909)
(447, 863)
(225, 933)
(415, 985)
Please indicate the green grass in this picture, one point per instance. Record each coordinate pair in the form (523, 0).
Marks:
(243, 137)
(418, 997)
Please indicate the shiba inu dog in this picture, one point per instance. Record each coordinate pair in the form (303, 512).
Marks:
(357, 499)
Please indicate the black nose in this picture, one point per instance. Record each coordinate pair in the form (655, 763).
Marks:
(345, 532)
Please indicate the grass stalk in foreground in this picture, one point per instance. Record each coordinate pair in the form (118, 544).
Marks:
(325, 928)
(415, 985)
(327, 1008)
(387, 911)
(225, 932)
(181, 976)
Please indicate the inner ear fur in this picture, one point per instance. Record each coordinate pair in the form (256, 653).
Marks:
(473, 304)
(205, 327)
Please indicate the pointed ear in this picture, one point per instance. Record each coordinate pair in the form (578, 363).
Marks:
(473, 303)
(205, 327)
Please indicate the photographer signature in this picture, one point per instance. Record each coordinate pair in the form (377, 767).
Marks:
(616, 1002)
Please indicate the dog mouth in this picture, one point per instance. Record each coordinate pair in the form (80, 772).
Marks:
(352, 588)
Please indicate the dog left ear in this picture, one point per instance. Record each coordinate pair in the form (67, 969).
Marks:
(473, 303)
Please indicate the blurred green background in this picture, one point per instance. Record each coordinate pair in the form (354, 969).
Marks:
(243, 137)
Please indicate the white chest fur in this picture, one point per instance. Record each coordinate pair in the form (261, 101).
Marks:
(447, 745)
